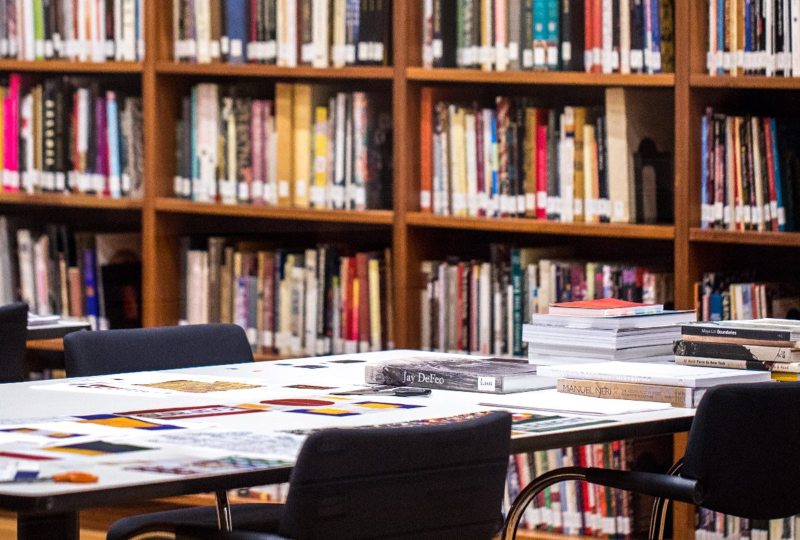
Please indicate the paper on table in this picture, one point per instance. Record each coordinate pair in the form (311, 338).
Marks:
(153, 384)
(272, 445)
(552, 400)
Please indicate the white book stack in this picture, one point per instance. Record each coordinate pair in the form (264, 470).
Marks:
(560, 339)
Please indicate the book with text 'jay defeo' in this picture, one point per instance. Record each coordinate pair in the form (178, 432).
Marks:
(488, 375)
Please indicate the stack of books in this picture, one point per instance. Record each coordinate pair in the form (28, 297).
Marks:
(761, 345)
(605, 329)
(681, 386)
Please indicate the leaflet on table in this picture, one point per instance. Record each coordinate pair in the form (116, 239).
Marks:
(153, 383)
(268, 444)
(552, 400)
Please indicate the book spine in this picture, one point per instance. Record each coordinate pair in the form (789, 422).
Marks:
(399, 376)
(736, 333)
(675, 396)
(725, 363)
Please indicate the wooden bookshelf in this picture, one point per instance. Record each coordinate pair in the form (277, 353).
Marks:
(71, 67)
(553, 78)
(70, 201)
(413, 235)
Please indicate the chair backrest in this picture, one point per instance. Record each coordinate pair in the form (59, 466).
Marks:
(744, 448)
(435, 481)
(147, 349)
(13, 334)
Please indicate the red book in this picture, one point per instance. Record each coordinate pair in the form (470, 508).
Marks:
(588, 29)
(541, 164)
(427, 102)
(362, 328)
(604, 307)
(597, 35)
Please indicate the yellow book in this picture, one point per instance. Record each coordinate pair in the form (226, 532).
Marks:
(784, 377)
(374, 304)
(301, 127)
(284, 97)
(530, 162)
(458, 160)
(319, 187)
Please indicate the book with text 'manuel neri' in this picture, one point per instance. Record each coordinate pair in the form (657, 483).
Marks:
(458, 373)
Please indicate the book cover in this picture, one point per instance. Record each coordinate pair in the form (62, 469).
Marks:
(676, 396)
(458, 373)
(603, 307)
(736, 351)
(648, 373)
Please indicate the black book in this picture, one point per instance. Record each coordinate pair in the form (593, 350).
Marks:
(492, 376)
(553, 187)
(122, 301)
(602, 169)
(571, 54)
(757, 331)
(735, 351)
(526, 45)
(307, 31)
(637, 36)
(444, 33)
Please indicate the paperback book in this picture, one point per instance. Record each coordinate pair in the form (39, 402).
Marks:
(656, 374)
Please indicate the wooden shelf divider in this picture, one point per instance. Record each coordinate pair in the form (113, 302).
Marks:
(70, 201)
(278, 72)
(554, 78)
(71, 66)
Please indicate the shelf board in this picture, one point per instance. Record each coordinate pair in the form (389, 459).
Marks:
(70, 200)
(785, 239)
(753, 82)
(369, 217)
(533, 226)
(563, 78)
(265, 70)
(70, 66)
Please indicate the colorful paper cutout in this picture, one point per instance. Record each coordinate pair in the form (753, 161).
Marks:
(201, 411)
(117, 421)
(200, 387)
(96, 448)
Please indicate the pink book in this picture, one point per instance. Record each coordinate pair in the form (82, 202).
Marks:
(257, 149)
(11, 178)
(541, 165)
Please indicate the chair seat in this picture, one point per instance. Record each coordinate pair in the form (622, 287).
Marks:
(250, 517)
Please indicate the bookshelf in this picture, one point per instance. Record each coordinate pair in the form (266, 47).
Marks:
(413, 235)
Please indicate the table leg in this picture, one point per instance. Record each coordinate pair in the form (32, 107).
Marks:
(63, 526)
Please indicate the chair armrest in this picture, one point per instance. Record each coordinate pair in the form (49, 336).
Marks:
(666, 486)
(196, 532)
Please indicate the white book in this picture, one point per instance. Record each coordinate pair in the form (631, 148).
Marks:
(310, 319)
(42, 275)
(660, 374)
(607, 37)
(484, 311)
(321, 27)
(625, 36)
(795, 31)
(129, 9)
(26, 271)
(207, 126)
(202, 22)
(28, 49)
(567, 162)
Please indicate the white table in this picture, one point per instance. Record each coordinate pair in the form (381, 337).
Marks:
(53, 507)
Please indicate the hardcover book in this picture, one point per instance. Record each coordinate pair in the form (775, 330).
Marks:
(458, 373)
(603, 307)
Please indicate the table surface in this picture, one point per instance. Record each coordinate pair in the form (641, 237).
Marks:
(250, 425)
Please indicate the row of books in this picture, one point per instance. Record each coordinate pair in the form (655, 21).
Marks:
(309, 147)
(73, 274)
(748, 172)
(69, 134)
(480, 306)
(85, 30)
(299, 302)
(570, 164)
(753, 38)
(765, 344)
(580, 508)
(597, 36)
(712, 525)
(730, 296)
(319, 33)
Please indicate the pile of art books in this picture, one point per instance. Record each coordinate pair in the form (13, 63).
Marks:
(761, 344)
(605, 329)
(681, 386)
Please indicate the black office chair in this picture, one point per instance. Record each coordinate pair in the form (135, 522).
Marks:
(149, 349)
(426, 482)
(13, 334)
(741, 459)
